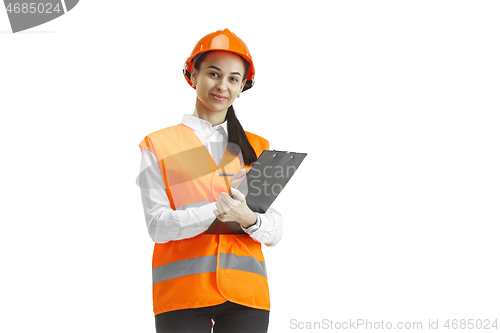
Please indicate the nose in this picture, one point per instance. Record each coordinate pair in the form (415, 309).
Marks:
(222, 86)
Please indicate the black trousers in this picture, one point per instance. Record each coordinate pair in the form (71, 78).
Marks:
(228, 317)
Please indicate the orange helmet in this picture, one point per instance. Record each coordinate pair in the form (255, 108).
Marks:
(224, 41)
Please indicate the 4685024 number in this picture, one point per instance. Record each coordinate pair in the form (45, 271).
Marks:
(32, 8)
(476, 324)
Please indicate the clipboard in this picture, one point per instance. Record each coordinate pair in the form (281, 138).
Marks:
(262, 185)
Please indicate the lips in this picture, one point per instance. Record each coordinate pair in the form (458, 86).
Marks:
(218, 97)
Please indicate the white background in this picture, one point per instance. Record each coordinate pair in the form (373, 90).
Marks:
(392, 216)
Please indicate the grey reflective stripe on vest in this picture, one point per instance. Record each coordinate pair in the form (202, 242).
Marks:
(242, 263)
(195, 204)
(208, 264)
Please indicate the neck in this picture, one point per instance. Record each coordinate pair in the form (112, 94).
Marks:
(213, 117)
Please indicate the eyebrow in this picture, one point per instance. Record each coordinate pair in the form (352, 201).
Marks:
(217, 68)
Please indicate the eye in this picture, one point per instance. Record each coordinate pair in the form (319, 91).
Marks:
(234, 79)
(213, 74)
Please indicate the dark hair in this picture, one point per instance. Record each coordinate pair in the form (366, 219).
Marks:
(236, 134)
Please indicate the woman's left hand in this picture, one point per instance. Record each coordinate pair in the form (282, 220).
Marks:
(229, 209)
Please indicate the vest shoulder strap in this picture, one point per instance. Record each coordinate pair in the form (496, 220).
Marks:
(258, 143)
(162, 137)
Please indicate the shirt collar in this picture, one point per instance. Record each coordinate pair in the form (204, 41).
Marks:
(199, 124)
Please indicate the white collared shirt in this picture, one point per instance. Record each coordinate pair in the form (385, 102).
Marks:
(214, 138)
(165, 224)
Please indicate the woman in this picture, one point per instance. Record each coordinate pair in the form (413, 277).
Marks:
(203, 280)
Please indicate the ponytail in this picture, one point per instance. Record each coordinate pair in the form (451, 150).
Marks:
(237, 135)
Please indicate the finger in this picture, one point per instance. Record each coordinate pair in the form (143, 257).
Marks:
(243, 171)
(222, 218)
(219, 208)
(240, 174)
(225, 201)
(238, 177)
(237, 194)
(236, 180)
(226, 205)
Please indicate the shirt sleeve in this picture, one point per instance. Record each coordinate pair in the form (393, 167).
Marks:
(165, 224)
(270, 230)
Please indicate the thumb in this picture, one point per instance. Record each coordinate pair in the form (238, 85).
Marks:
(237, 194)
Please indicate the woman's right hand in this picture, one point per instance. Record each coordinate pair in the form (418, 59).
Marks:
(238, 177)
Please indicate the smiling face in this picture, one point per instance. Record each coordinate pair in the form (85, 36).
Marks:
(219, 78)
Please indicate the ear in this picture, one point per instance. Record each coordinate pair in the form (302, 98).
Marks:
(194, 76)
(242, 85)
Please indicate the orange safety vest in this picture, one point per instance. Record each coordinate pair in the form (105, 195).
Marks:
(207, 269)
